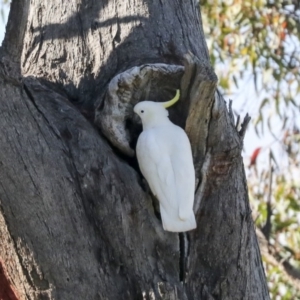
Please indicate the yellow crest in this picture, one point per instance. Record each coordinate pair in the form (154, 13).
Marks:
(173, 101)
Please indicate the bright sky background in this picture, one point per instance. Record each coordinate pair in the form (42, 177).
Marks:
(3, 22)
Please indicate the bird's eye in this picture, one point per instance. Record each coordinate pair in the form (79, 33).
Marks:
(142, 111)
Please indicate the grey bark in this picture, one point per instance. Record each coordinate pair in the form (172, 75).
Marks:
(76, 218)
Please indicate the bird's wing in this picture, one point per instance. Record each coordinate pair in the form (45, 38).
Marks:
(156, 166)
(182, 162)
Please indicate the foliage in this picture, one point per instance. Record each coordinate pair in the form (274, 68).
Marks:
(275, 198)
(257, 38)
(258, 42)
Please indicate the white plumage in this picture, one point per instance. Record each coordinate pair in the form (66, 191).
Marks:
(165, 159)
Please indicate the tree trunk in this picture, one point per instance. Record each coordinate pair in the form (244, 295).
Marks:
(77, 220)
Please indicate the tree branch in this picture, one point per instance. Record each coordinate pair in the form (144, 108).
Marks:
(289, 273)
(244, 126)
(15, 29)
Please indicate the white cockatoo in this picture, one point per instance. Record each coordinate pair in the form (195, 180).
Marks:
(165, 159)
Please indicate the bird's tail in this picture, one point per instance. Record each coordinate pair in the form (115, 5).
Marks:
(175, 224)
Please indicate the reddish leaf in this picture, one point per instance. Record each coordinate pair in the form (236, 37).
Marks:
(254, 156)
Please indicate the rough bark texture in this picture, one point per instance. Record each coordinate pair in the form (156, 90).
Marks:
(76, 218)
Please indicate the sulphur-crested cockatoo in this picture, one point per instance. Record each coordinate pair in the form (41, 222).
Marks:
(165, 159)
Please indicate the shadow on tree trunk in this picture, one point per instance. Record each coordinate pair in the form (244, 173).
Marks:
(78, 221)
